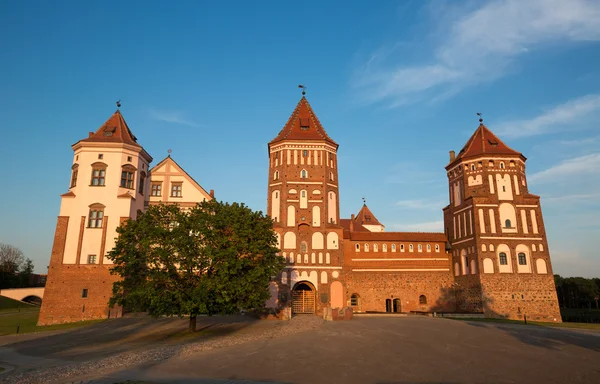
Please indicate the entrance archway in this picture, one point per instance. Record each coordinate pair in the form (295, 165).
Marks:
(303, 298)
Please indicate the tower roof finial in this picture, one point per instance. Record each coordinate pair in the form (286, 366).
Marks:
(364, 201)
(170, 151)
(303, 88)
(480, 118)
(118, 104)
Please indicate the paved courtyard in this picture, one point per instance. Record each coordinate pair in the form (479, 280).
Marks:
(307, 350)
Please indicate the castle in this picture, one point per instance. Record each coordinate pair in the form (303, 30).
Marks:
(492, 258)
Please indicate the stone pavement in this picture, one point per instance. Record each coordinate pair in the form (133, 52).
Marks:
(391, 350)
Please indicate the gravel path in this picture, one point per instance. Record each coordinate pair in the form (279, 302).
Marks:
(95, 368)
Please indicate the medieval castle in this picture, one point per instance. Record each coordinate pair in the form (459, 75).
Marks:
(492, 258)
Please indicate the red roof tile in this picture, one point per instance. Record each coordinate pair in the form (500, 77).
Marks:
(365, 216)
(303, 124)
(484, 142)
(398, 236)
(114, 130)
(345, 223)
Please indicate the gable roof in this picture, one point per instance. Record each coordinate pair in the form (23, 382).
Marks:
(173, 163)
(484, 142)
(365, 216)
(303, 116)
(114, 130)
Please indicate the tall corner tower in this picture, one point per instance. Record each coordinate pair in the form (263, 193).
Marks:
(107, 186)
(500, 254)
(303, 201)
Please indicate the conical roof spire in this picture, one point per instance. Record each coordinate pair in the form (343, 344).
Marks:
(303, 124)
(114, 130)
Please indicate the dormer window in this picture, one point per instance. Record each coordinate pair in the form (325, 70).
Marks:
(304, 123)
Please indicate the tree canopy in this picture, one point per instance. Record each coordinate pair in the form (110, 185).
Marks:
(215, 258)
(15, 269)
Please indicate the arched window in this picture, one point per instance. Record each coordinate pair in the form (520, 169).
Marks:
(384, 247)
(276, 175)
(472, 167)
(507, 223)
(393, 247)
(375, 248)
(401, 247)
(304, 174)
(366, 247)
(96, 216)
(437, 247)
(420, 248)
(501, 165)
(428, 247)
(303, 247)
(74, 173)
(331, 176)
(127, 172)
(354, 300)
(410, 247)
(357, 247)
(422, 299)
(98, 174)
(522, 258)
(503, 259)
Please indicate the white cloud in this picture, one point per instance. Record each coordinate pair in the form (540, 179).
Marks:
(430, 226)
(480, 45)
(420, 204)
(577, 198)
(578, 111)
(174, 117)
(579, 166)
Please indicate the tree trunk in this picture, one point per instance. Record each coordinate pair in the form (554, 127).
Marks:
(192, 327)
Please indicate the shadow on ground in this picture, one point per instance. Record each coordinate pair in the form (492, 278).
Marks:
(116, 336)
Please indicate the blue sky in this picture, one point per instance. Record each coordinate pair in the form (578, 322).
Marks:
(396, 84)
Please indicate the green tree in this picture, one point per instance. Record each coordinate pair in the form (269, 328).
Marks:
(11, 261)
(216, 258)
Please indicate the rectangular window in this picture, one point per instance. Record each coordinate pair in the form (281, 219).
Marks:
(95, 220)
(127, 179)
(100, 156)
(84, 293)
(98, 176)
(176, 190)
(305, 153)
(142, 182)
(91, 259)
(74, 178)
(129, 158)
(156, 189)
(522, 259)
(503, 259)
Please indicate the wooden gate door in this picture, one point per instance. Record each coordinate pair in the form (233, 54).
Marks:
(303, 302)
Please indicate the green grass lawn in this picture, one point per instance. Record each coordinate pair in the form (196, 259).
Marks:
(539, 323)
(10, 305)
(27, 323)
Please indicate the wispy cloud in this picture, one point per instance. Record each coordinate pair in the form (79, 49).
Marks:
(173, 117)
(587, 165)
(420, 204)
(430, 226)
(582, 198)
(577, 111)
(479, 45)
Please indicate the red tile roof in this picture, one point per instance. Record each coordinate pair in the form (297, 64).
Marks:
(365, 216)
(345, 223)
(295, 128)
(484, 142)
(114, 130)
(398, 236)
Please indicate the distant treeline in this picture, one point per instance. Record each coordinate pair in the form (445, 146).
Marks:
(578, 298)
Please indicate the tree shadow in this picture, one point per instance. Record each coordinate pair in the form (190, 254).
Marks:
(116, 336)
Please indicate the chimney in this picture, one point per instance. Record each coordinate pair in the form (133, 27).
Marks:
(452, 156)
(352, 222)
(212, 193)
(91, 134)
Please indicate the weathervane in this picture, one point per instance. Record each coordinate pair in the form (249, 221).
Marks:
(364, 201)
(169, 151)
(303, 88)
(480, 118)
(118, 104)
